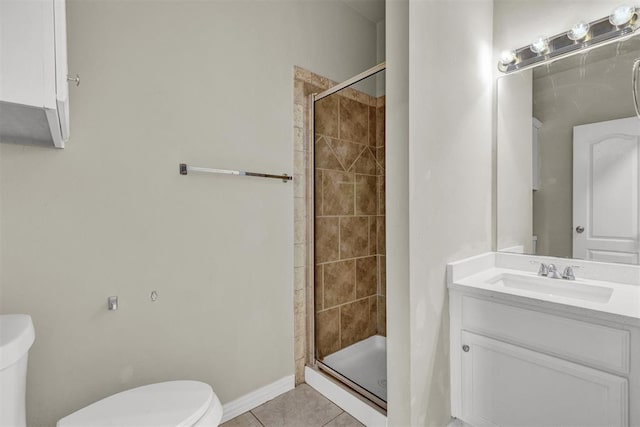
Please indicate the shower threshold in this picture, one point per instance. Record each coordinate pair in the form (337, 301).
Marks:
(363, 364)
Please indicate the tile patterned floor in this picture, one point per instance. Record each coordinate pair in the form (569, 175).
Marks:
(300, 407)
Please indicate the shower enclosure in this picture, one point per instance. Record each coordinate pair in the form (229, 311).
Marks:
(349, 233)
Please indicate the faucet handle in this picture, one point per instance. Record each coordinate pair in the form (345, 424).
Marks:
(543, 270)
(568, 273)
(553, 272)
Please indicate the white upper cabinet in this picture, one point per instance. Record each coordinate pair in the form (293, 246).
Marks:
(34, 92)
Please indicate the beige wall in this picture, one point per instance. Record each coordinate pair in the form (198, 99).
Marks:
(438, 188)
(514, 161)
(397, 212)
(450, 125)
(207, 83)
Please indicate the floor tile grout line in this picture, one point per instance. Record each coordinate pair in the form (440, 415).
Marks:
(314, 392)
(332, 419)
(256, 417)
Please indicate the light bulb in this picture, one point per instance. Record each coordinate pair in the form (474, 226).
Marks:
(621, 15)
(507, 57)
(539, 46)
(578, 31)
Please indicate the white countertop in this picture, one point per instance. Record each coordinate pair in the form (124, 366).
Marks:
(476, 273)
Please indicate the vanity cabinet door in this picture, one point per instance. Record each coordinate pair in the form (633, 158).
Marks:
(507, 385)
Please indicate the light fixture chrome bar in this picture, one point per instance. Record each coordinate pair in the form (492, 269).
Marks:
(185, 169)
(368, 73)
(601, 32)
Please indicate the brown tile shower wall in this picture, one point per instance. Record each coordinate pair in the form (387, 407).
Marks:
(350, 288)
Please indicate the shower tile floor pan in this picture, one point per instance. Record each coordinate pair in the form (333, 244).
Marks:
(364, 363)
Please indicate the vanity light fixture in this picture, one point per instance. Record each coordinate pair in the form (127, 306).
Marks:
(622, 22)
(507, 57)
(540, 46)
(621, 15)
(578, 31)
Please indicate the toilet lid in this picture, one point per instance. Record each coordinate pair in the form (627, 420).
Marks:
(168, 404)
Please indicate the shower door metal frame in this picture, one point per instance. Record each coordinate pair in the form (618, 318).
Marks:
(353, 80)
(311, 359)
(363, 392)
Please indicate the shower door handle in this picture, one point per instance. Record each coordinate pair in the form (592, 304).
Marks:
(634, 84)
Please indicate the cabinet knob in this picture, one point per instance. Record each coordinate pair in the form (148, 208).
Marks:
(580, 229)
(465, 348)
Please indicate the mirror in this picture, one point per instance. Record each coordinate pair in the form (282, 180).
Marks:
(568, 157)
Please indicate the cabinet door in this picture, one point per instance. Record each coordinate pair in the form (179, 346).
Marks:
(506, 385)
(27, 47)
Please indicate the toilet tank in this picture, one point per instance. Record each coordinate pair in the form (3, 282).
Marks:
(16, 337)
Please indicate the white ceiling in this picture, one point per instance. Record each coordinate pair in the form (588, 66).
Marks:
(373, 10)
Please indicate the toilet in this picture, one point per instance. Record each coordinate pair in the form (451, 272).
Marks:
(16, 337)
(167, 404)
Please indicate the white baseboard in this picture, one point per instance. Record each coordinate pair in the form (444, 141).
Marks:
(257, 397)
(344, 399)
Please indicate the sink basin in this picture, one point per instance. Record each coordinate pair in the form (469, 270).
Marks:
(553, 287)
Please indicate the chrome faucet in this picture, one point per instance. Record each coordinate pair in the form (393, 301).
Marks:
(553, 272)
(568, 273)
(543, 270)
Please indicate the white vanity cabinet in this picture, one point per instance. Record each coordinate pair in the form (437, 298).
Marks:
(34, 106)
(516, 363)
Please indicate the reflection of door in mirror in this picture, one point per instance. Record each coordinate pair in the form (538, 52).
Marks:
(605, 191)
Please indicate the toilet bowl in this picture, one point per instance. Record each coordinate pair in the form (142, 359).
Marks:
(16, 336)
(167, 404)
